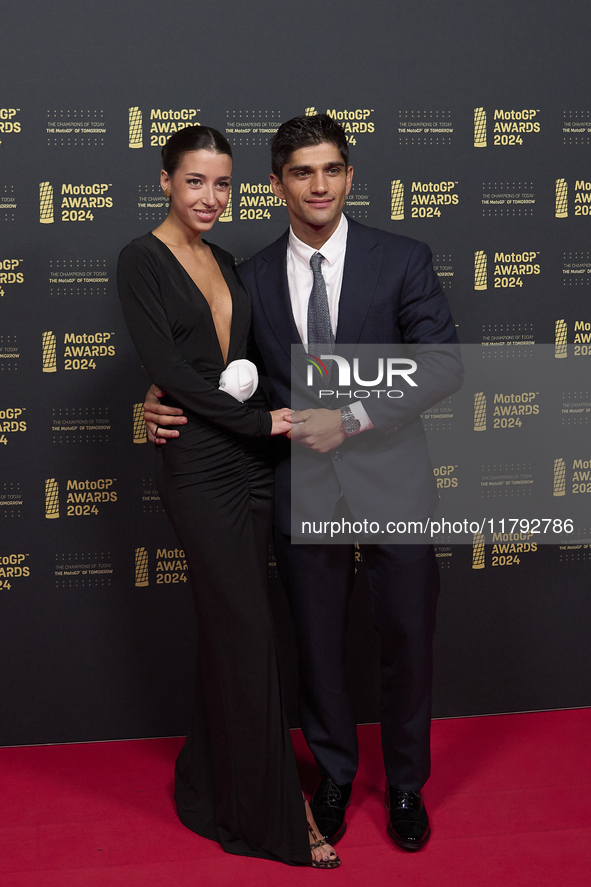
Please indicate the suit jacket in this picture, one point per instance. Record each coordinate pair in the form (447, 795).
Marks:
(390, 296)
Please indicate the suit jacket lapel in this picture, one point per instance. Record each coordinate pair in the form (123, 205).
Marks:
(362, 267)
(274, 293)
(275, 300)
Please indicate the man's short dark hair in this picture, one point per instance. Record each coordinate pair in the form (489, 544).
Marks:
(302, 132)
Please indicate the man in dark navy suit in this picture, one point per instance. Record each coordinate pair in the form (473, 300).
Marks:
(368, 287)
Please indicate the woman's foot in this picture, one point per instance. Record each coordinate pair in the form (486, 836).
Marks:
(323, 855)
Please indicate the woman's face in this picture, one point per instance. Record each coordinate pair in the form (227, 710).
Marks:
(199, 189)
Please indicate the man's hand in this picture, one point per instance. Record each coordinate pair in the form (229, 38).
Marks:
(157, 414)
(320, 430)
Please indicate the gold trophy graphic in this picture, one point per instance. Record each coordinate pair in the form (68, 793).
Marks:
(52, 502)
(141, 568)
(397, 201)
(139, 427)
(560, 331)
(49, 353)
(480, 411)
(226, 216)
(479, 128)
(559, 478)
(478, 552)
(480, 270)
(561, 199)
(45, 203)
(135, 128)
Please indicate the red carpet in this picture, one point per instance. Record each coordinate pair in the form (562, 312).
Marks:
(509, 801)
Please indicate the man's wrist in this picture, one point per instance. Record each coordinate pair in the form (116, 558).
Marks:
(360, 413)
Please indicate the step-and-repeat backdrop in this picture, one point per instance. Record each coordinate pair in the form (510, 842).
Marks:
(468, 129)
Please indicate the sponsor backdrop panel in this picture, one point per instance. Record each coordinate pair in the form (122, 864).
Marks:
(470, 129)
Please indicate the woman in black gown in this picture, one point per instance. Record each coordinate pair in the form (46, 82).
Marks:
(188, 314)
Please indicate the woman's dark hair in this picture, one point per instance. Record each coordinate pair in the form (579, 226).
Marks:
(193, 138)
(302, 132)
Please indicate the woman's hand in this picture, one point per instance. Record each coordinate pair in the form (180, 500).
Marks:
(157, 414)
(281, 421)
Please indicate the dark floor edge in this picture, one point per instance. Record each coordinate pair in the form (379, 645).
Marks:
(492, 714)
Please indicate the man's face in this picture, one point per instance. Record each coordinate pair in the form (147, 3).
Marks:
(314, 184)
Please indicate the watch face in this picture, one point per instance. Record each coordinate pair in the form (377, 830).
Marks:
(350, 425)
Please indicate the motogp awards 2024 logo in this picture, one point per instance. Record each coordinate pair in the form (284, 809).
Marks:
(78, 204)
(163, 123)
(510, 269)
(429, 200)
(511, 126)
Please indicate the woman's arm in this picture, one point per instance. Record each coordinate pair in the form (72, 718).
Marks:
(157, 415)
(149, 327)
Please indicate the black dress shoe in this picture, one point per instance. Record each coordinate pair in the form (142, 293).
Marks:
(409, 823)
(328, 806)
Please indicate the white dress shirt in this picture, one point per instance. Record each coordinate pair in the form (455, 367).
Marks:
(300, 280)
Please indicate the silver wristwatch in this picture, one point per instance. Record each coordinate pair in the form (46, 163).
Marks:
(349, 424)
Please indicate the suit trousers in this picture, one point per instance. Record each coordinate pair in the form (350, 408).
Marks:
(404, 584)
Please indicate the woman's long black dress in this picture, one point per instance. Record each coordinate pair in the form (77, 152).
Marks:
(236, 776)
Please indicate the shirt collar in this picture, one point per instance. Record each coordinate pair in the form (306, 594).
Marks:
(332, 250)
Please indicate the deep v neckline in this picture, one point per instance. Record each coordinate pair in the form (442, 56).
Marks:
(227, 282)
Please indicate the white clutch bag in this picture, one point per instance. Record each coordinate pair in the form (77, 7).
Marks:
(240, 379)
